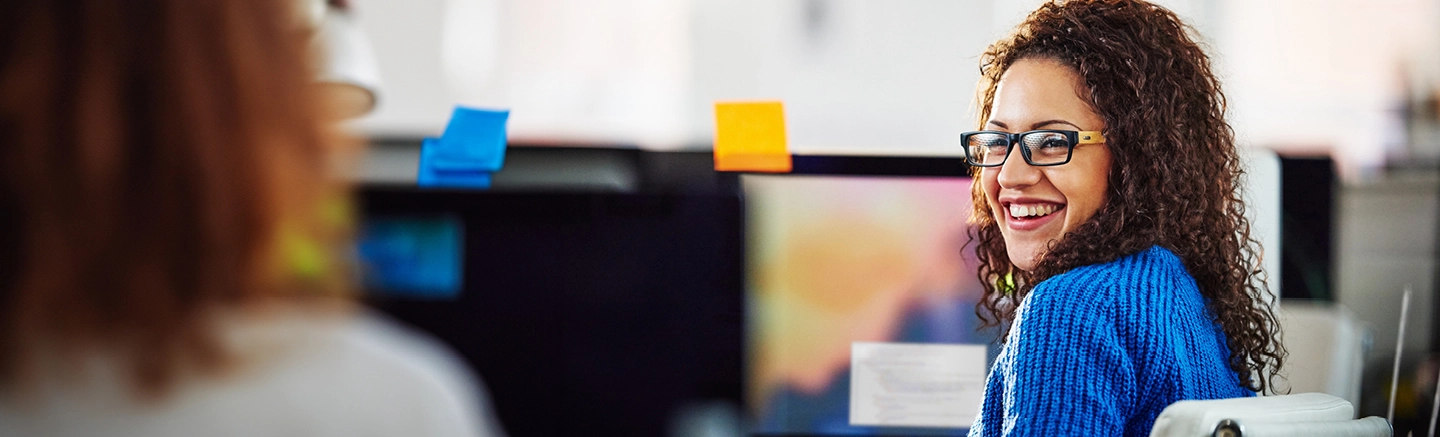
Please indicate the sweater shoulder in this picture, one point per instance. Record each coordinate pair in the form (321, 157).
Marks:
(1149, 272)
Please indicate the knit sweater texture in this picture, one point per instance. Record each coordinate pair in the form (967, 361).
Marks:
(1103, 349)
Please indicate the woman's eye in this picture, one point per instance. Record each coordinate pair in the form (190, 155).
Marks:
(1054, 143)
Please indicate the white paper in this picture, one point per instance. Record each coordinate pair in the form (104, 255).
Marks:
(916, 385)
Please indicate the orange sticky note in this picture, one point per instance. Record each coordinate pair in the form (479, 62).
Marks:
(750, 136)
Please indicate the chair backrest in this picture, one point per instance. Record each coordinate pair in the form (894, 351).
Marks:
(1326, 344)
(1306, 414)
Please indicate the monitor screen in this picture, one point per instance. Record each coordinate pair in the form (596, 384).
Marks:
(584, 313)
(861, 295)
(411, 256)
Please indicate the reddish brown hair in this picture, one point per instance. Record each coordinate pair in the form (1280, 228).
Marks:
(1174, 180)
(160, 160)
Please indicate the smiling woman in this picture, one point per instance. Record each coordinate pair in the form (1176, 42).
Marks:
(1039, 204)
(1116, 248)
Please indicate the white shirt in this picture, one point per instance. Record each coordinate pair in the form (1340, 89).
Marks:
(299, 376)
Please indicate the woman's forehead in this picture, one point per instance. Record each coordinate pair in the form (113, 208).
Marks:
(1035, 90)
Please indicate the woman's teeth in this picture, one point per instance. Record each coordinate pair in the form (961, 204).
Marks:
(1032, 210)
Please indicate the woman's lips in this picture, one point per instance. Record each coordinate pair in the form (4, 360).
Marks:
(1029, 222)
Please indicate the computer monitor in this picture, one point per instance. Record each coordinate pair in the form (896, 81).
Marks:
(583, 312)
(1307, 210)
(861, 296)
(612, 312)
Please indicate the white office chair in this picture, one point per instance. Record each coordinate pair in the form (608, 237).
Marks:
(1306, 414)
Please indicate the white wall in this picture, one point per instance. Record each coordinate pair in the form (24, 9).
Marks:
(569, 70)
(1326, 76)
(856, 76)
(867, 76)
(406, 35)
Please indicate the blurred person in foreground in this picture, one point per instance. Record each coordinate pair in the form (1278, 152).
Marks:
(172, 236)
(1112, 235)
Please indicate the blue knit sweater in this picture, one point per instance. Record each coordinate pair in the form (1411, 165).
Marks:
(1102, 349)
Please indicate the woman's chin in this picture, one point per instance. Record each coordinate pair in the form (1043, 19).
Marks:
(1024, 252)
(1023, 260)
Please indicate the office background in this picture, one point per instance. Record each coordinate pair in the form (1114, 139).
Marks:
(1356, 82)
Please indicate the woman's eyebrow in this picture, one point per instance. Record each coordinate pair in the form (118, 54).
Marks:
(1050, 122)
(999, 124)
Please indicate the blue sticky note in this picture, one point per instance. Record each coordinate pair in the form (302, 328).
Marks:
(431, 175)
(474, 140)
(472, 147)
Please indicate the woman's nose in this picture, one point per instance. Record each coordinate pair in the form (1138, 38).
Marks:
(1016, 172)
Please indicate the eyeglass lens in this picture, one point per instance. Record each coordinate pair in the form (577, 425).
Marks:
(987, 148)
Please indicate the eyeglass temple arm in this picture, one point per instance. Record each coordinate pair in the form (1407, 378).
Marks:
(1091, 137)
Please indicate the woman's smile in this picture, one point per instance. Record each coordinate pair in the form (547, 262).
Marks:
(1028, 215)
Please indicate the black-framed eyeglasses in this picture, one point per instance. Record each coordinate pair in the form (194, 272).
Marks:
(1041, 147)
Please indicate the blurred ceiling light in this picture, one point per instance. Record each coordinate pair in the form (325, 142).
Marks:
(349, 71)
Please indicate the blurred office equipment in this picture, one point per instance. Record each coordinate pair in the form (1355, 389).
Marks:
(348, 65)
(586, 309)
(1399, 351)
(851, 254)
(1327, 344)
(1307, 195)
(844, 250)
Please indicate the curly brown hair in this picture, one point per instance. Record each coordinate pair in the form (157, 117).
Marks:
(1175, 171)
(163, 163)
